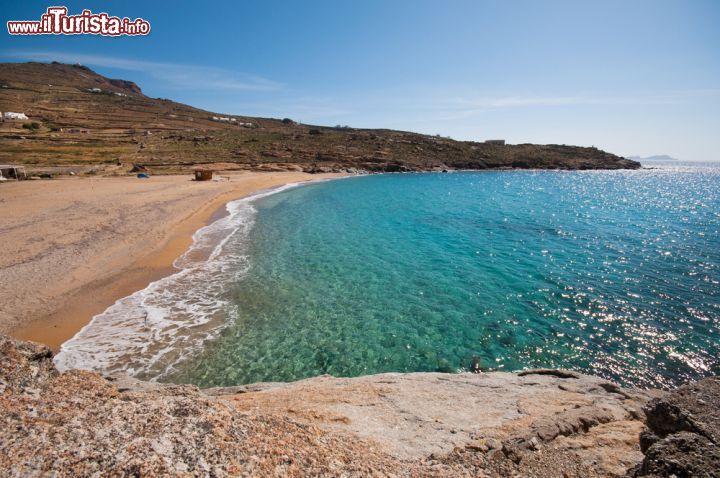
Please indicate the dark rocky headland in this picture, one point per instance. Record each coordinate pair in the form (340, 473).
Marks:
(81, 122)
(537, 423)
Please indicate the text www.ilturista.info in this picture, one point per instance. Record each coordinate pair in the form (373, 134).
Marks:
(56, 21)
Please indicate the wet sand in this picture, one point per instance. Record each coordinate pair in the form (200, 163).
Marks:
(72, 247)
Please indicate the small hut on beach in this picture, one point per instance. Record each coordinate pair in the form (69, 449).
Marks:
(203, 175)
(12, 172)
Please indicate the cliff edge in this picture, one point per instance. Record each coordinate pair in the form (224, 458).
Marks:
(533, 423)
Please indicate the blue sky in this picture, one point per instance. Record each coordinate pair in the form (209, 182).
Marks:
(631, 77)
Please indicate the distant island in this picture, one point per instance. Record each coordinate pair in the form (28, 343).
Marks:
(657, 157)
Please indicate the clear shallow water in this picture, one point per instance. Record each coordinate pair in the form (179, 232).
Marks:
(611, 273)
(149, 332)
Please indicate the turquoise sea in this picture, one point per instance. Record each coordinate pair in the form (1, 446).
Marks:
(615, 273)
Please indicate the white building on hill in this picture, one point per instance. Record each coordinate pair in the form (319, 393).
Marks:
(224, 119)
(11, 116)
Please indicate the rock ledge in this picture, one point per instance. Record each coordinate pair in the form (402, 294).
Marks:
(536, 423)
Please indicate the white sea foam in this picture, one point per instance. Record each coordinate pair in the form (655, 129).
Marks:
(147, 333)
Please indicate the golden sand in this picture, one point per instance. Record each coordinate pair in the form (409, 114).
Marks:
(72, 247)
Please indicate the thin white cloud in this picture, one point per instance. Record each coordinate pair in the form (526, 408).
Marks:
(520, 101)
(303, 108)
(188, 77)
(456, 108)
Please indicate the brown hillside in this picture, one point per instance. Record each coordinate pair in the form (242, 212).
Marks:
(81, 128)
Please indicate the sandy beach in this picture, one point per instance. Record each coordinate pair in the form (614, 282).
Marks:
(72, 247)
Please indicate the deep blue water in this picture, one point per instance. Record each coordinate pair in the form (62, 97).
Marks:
(610, 273)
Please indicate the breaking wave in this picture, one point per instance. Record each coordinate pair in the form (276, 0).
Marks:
(149, 332)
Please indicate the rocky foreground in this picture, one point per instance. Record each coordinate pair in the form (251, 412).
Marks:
(535, 423)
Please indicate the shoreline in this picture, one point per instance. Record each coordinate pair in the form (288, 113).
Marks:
(92, 297)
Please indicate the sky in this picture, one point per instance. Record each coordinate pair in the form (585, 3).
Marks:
(635, 77)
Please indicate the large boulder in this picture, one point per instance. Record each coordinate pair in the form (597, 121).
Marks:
(24, 365)
(683, 432)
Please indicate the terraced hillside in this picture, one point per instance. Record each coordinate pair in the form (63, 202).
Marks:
(84, 122)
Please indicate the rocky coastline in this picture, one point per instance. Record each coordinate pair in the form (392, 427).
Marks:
(532, 423)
